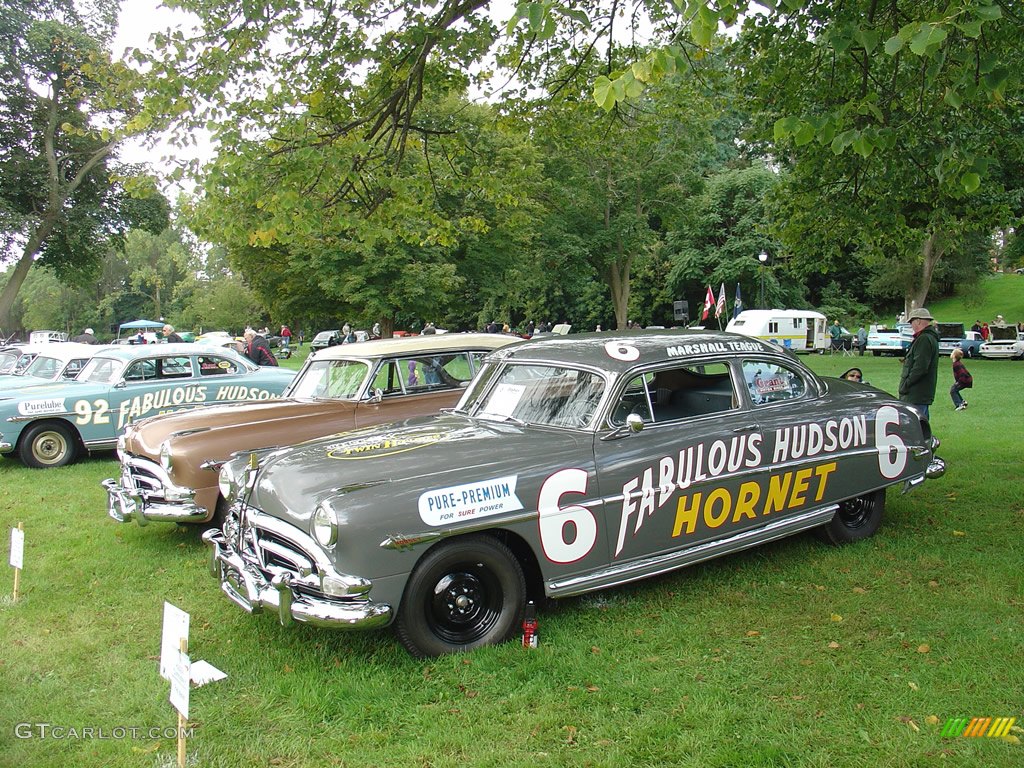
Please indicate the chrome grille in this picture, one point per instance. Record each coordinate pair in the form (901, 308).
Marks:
(274, 553)
(142, 476)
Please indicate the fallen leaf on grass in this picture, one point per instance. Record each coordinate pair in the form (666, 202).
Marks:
(595, 650)
(924, 648)
(859, 591)
(1011, 738)
(836, 617)
(288, 668)
(909, 721)
(570, 737)
(834, 645)
(593, 688)
(932, 720)
(752, 633)
(913, 686)
(933, 583)
(958, 533)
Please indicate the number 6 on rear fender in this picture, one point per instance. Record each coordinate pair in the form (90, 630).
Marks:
(553, 518)
(891, 466)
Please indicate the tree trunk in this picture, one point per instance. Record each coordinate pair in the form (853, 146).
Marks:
(10, 292)
(931, 252)
(618, 281)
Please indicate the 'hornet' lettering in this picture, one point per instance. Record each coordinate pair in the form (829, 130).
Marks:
(781, 492)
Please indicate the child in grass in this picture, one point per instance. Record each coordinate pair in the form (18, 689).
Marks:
(962, 379)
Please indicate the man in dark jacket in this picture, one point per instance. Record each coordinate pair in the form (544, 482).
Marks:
(921, 365)
(257, 349)
(170, 336)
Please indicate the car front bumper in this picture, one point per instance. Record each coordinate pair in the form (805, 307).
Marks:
(145, 493)
(297, 594)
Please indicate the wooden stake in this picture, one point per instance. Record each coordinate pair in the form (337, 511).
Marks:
(183, 647)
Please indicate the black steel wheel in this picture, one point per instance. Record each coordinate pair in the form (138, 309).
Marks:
(48, 444)
(463, 594)
(857, 519)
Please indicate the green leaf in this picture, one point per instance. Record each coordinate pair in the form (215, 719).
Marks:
(804, 134)
(952, 98)
(970, 181)
(988, 12)
(928, 36)
(971, 28)
(703, 26)
(867, 38)
(842, 141)
(863, 146)
(604, 96)
(633, 86)
(894, 45)
(535, 16)
(995, 80)
(786, 127)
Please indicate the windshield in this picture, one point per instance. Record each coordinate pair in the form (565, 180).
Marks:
(335, 379)
(44, 367)
(7, 361)
(537, 394)
(101, 370)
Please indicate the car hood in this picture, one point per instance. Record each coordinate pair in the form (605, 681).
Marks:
(269, 420)
(353, 471)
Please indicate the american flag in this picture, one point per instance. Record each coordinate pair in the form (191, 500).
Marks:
(720, 306)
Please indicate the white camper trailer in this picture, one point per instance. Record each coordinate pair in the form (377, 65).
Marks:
(798, 330)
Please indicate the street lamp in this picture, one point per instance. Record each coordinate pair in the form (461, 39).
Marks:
(763, 258)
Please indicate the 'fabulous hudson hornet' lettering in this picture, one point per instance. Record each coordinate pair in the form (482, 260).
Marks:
(782, 492)
(472, 500)
(807, 440)
(176, 397)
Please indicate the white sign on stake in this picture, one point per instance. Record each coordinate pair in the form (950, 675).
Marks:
(17, 548)
(180, 674)
(175, 630)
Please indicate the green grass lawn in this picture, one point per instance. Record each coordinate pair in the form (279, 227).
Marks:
(793, 654)
(996, 295)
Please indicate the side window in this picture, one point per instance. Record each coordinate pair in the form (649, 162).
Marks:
(773, 326)
(141, 370)
(210, 365)
(771, 382)
(671, 394)
(387, 379)
(175, 367)
(73, 369)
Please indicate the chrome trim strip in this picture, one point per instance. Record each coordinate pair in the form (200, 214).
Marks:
(406, 540)
(652, 566)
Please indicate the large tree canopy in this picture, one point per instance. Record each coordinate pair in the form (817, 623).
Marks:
(65, 105)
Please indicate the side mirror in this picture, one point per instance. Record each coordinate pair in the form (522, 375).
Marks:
(635, 422)
(378, 395)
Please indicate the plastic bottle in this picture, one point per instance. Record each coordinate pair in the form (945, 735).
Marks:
(530, 626)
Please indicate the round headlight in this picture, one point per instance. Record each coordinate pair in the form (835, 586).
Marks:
(226, 482)
(324, 526)
(165, 456)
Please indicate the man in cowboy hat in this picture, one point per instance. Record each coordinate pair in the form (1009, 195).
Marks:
(921, 365)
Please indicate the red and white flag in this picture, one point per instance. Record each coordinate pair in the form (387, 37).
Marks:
(709, 302)
(720, 306)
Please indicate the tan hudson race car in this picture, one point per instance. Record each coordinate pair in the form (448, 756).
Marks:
(169, 464)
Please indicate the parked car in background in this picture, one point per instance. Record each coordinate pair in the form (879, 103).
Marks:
(52, 424)
(46, 337)
(1004, 342)
(570, 465)
(51, 362)
(890, 341)
(954, 336)
(169, 463)
(325, 339)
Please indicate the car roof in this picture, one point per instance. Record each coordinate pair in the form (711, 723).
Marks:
(137, 351)
(70, 350)
(407, 345)
(613, 352)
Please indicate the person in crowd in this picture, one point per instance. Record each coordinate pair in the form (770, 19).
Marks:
(921, 365)
(999, 322)
(506, 329)
(530, 328)
(836, 332)
(977, 326)
(86, 337)
(170, 336)
(854, 374)
(984, 332)
(286, 337)
(302, 337)
(139, 338)
(862, 339)
(962, 380)
(428, 330)
(375, 331)
(257, 349)
(347, 336)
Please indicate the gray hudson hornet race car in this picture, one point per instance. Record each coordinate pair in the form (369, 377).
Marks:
(571, 464)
